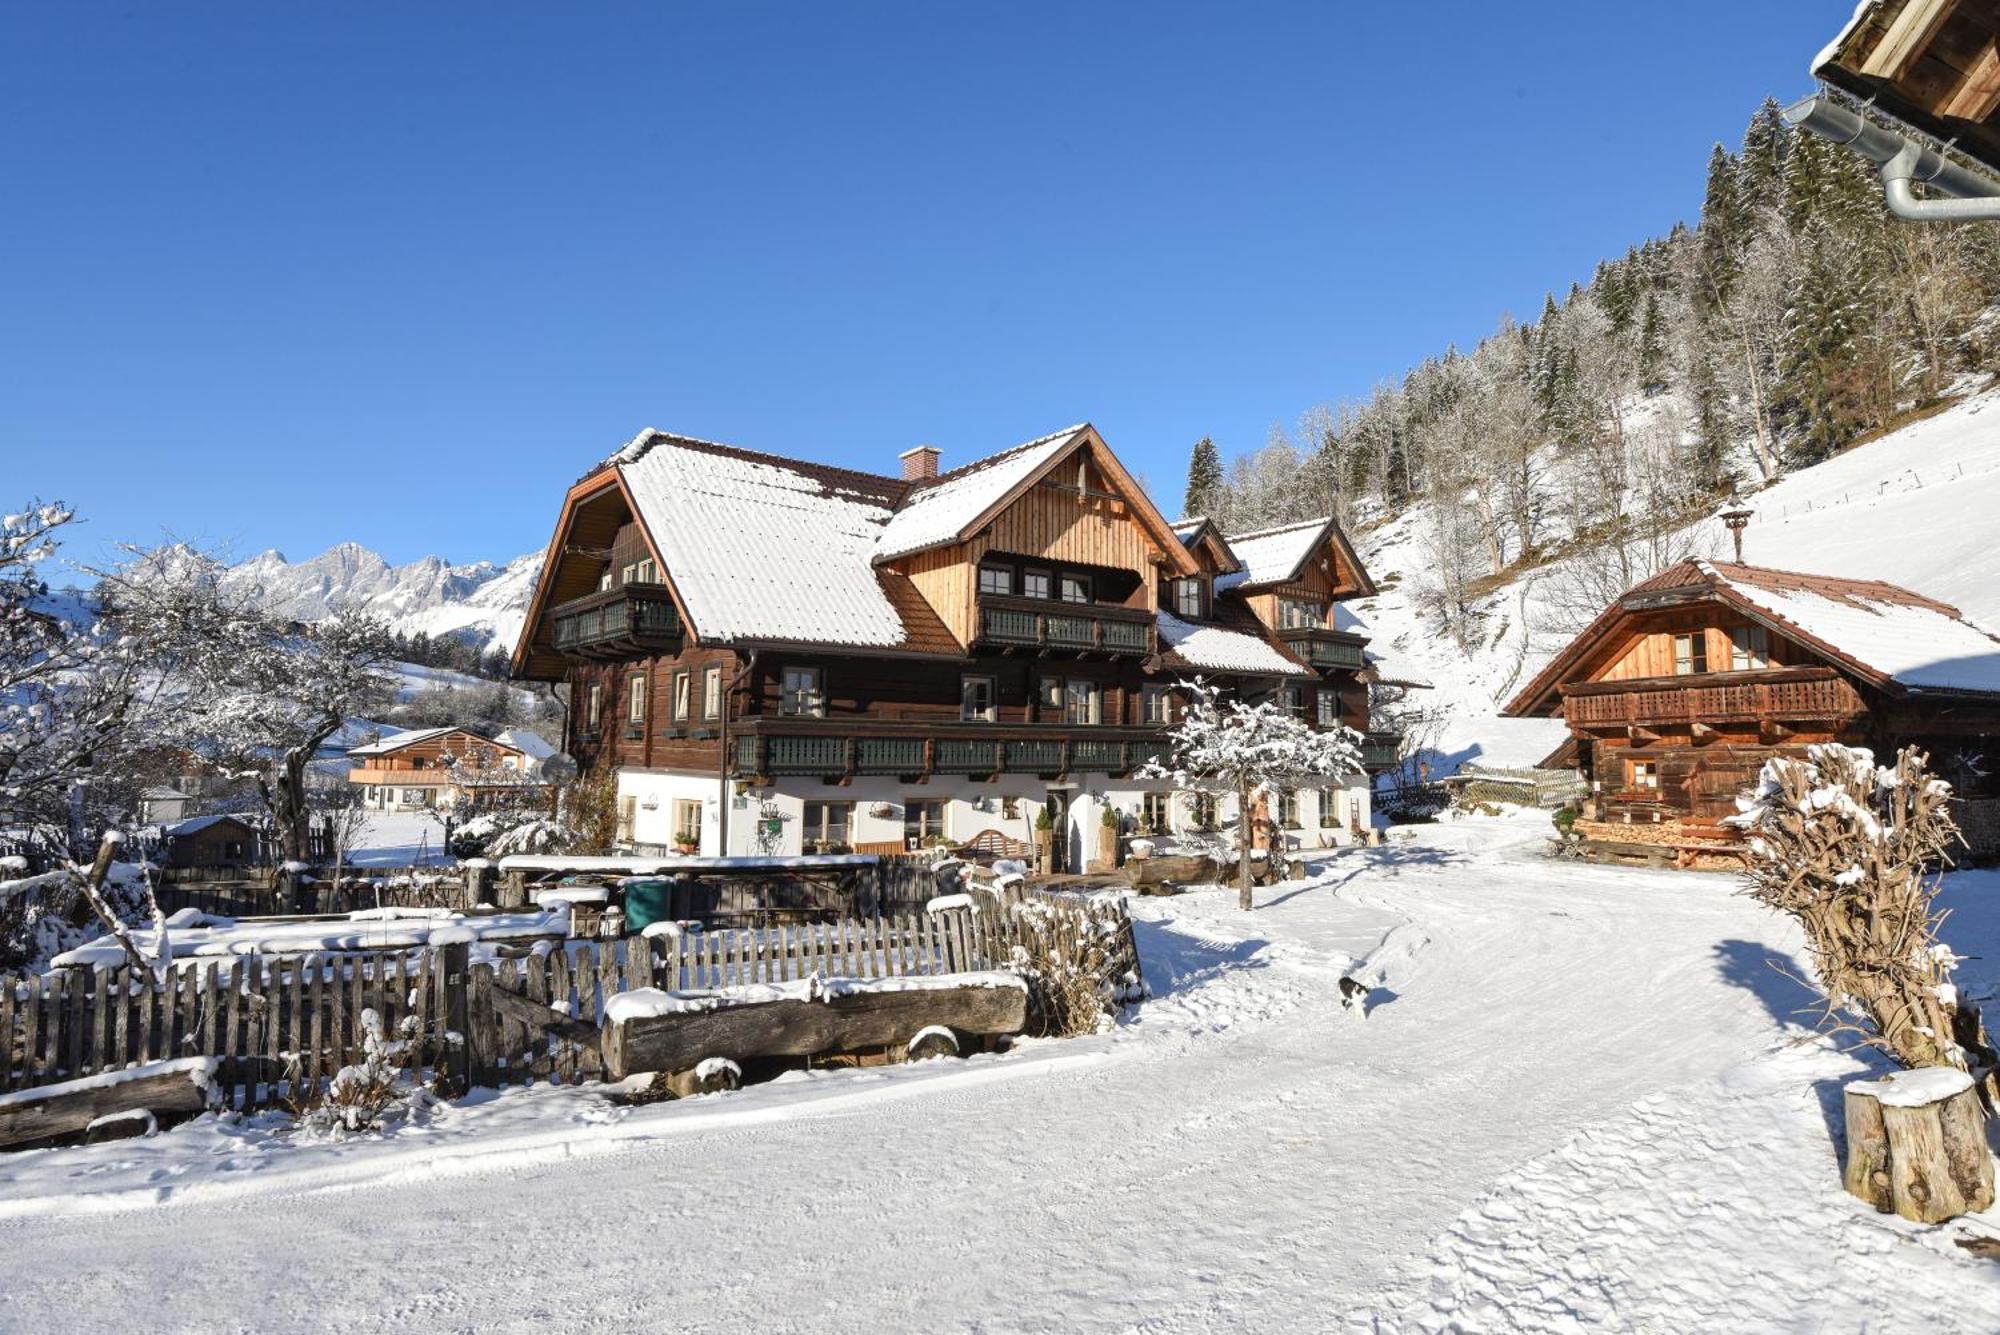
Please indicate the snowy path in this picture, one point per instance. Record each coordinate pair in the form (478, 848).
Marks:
(1243, 1156)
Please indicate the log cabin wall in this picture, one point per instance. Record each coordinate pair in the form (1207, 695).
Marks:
(660, 740)
(1060, 522)
(1316, 585)
(1651, 652)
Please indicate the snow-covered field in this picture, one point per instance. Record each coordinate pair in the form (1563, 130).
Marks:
(1581, 1100)
(400, 839)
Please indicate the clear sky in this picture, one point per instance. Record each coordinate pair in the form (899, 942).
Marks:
(280, 276)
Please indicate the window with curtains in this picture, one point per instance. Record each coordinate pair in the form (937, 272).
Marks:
(1075, 589)
(996, 579)
(800, 695)
(1083, 702)
(1298, 613)
(976, 699)
(1288, 809)
(1329, 707)
(635, 701)
(595, 712)
(1749, 648)
(1156, 810)
(923, 821)
(1187, 597)
(828, 823)
(1156, 704)
(1690, 654)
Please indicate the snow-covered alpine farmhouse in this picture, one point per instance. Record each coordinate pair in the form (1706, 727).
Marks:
(1676, 695)
(778, 655)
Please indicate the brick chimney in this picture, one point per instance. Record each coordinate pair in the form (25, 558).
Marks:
(919, 463)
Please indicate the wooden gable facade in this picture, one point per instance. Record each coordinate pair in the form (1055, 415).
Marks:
(1934, 64)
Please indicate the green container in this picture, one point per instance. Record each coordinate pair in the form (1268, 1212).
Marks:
(647, 902)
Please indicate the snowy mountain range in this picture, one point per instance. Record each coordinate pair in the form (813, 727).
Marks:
(481, 603)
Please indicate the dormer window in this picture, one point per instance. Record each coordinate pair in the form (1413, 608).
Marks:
(604, 581)
(1749, 648)
(1691, 654)
(996, 579)
(1187, 598)
(1075, 589)
(1299, 614)
(645, 572)
(1036, 584)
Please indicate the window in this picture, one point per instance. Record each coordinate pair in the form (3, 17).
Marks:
(1051, 693)
(1642, 776)
(630, 574)
(1690, 653)
(635, 700)
(628, 814)
(1288, 809)
(1329, 808)
(1749, 648)
(1295, 613)
(1083, 702)
(604, 580)
(711, 692)
(996, 579)
(682, 681)
(922, 822)
(1156, 811)
(1202, 809)
(687, 822)
(975, 699)
(1075, 589)
(645, 572)
(1156, 705)
(800, 696)
(1329, 708)
(1187, 597)
(1035, 584)
(595, 713)
(1292, 699)
(1010, 808)
(828, 822)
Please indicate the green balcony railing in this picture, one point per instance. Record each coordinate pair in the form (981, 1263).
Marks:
(1380, 750)
(631, 618)
(889, 755)
(952, 756)
(1094, 755)
(1034, 757)
(807, 755)
(1326, 648)
(1082, 627)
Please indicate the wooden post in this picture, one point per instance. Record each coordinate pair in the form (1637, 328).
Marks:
(478, 881)
(480, 1052)
(1916, 1144)
(513, 890)
(454, 965)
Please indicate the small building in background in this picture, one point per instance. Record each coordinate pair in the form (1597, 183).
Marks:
(1680, 690)
(209, 842)
(447, 768)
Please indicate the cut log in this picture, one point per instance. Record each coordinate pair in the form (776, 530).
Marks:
(1916, 1145)
(1158, 875)
(650, 1030)
(49, 1112)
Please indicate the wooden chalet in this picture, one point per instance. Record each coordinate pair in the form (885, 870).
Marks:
(777, 655)
(429, 768)
(1680, 690)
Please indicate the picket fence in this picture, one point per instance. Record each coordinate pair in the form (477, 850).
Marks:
(281, 1026)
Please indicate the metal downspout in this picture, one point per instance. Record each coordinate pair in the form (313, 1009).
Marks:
(1902, 164)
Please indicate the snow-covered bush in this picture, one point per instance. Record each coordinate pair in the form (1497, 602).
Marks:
(1066, 968)
(381, 1089)
(1854, 852)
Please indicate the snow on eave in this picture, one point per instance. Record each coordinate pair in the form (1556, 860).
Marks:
(410, 737)
(1220, 650)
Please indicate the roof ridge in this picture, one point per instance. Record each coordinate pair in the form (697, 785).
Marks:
(1272, 532)
(896, 488)
(983, 461)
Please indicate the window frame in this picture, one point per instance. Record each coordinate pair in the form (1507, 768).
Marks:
(916, 829)
(1292, 699)
(594, 705)
(811, 831)
(683, 695)
(1301, 614)
(687, 819)
(1696, 643)
(1003, 575)
(1181, 591)
(711, 692)
(967, 683)
(1749, 648)
(1156, 704)
(1288, 809)
(1080, 583)
(1049, 692)
(635, 698)
(811, 695)
(1048, 580)
(1091, 698)
(1156, 809)
(1642, 774)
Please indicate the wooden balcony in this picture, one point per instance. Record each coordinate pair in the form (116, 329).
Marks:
(1380, 751)
(770, 747)
(617, 623)
(1327, 650)
(1037, 623)
(1769, 695)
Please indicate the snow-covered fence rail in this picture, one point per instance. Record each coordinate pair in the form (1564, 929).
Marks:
(282, 1026)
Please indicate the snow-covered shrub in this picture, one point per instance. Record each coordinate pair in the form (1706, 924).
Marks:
(381, 1089)
(1854, 852)
(1065, 970)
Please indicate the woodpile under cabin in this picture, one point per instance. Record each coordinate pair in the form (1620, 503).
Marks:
(1679, 691)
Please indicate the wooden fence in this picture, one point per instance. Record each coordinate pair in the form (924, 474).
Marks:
(282, 1026)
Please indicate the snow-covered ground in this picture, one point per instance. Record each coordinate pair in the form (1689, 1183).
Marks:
(400, 839)
(1581, 1100)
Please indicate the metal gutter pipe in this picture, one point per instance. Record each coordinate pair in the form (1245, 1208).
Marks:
(1902, 163)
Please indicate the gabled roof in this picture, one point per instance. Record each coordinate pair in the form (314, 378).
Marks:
(411, 736)
(1208, 647)
(1194, 532)
(196, 824)
(942, 511)
(1279, 555)
(1888, 636)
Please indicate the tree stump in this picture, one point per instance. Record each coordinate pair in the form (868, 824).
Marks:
(1916, 1144)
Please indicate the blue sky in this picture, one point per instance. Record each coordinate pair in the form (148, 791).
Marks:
(279, 277)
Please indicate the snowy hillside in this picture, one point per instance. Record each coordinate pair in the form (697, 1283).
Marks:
(481, 603)
(1919, 507)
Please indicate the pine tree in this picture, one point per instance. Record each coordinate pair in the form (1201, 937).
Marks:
(1204, 480)
(1767, 143)
(1653, 348)
(1821, 396)
(1725, 229)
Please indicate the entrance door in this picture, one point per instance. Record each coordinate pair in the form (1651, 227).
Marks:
(1057, 807)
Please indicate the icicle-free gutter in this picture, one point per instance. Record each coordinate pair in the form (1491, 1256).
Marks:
(1902, 164)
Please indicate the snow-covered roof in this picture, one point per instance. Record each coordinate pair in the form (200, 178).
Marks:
(397, 741)
(765, 548)
(1272, 555)
(532, 745)
(1215, 649)
(938, 512)
(1911, 640)
(195, 824)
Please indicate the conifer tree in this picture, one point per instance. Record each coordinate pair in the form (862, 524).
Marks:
(1204, 480)
(1653, 348)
